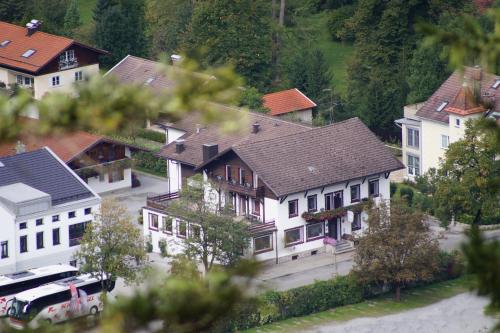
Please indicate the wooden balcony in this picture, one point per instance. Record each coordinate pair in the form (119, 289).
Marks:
(244, 189)
(262, 228)
(161, 201)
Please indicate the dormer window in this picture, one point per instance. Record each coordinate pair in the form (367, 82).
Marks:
(28, 53)
(496, 84)
(5, 43)
(441, 106)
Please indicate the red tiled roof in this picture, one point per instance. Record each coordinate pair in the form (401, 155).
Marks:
(287, 101)
(464, 103)
(46, 47)
(66, 146)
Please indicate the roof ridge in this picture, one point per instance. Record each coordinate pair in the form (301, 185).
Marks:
(292, 134)
(39, 31)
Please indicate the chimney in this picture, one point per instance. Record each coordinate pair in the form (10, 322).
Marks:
(20, 147)
(176, 59)
(179, 146)
(255, 127)
(32, 27)
(209, 151)
(198, 128)
(476, 73)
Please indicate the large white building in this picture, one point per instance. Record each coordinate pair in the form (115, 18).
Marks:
(296, 185)
(44, 208)
(42, 62)
(429, 127)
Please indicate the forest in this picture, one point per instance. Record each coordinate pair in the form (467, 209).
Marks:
(364, 58)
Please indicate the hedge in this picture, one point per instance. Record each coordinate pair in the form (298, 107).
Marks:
(151, 135)
(148, 161)
(320, 296)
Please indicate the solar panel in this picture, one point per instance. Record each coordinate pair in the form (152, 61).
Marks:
(28, 53)
(19, 275)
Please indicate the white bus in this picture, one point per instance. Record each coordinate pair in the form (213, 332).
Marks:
(15, 283)
(58, 301)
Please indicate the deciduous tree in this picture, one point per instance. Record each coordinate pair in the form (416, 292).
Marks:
(72, 19)
(112, 246)
(397, 248)
(214, 235)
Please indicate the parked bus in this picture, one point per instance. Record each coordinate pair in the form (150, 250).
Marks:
(15, 283)
(58, 301)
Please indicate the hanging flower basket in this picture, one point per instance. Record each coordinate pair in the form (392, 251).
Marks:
(334, 213)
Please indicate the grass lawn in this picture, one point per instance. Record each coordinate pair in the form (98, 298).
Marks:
(380, 306)
(337, 54)
(86, 7)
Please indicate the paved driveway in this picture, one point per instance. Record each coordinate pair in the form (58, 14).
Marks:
(135, 198)
(463, 313)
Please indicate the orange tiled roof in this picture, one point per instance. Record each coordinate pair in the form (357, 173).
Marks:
(66, 146)
(287, 101)
(46, 47)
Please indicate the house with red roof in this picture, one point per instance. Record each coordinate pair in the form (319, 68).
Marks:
(291, 103)
(429, 127)
(42, 62)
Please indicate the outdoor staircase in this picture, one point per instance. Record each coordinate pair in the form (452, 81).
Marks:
(343, 246)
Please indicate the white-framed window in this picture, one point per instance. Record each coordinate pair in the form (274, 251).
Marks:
(445, 141)
(294, 236)
(293, 208)
(263, 243)
(457, 122)
(24, 81)
(412, 137)
(315, 231)
(373, 188)
(181, 229)
(413, 165)
(355, 193)
(167, 224)
(153, 221)
(56, 81)
(228, 173)
(67, 56)
(356, 222)
(312, 203)
(79, 76)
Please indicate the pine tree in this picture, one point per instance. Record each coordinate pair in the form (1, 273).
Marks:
(72, 19)
(12, 10)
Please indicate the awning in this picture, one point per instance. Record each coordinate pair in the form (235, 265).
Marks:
(408, 122)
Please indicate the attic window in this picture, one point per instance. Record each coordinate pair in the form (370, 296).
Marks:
(28, 53)
(496, 84)
(5, 43)
(441, 106)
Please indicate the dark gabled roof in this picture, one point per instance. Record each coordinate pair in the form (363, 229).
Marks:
(451, 88)
(269, 127)
(318, 157)
(46, 47)
(41, 170)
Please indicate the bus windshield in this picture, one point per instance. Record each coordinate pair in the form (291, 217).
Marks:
(19, 309)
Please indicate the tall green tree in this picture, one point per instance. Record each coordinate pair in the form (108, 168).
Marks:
(397, 248)
(112, 246)
(12, 10)
(468, 176)
(50, 12)
(120, 29)
(237, 32)
(214, 235)
(385, 39)
(167, 22)
(72, 19)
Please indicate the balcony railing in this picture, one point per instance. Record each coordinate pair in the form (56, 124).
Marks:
(67, 64)
(259, 228)
(161, 201)
(97, 169)
(245, 189)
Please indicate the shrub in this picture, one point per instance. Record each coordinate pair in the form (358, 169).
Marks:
(149, 161)
(140, 219)
(451, 265)
(162, 244)
(393, 188)
(149, 244)
(407, 193)
(151, 135)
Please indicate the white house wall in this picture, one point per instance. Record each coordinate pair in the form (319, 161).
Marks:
(431, 143)
(105, 186)
(7, 225)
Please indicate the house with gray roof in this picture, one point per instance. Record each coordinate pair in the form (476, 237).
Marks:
(44, 208)
(429, 127)
(297, 186)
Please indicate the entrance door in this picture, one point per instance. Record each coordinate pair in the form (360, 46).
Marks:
(332, 228)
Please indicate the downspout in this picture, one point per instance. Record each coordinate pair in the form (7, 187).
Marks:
(276, 239)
